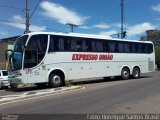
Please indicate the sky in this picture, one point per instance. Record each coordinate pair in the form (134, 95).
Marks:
(100, 17)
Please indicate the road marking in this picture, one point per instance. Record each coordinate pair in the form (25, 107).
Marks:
(33, 95)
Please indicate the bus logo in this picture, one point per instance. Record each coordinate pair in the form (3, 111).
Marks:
(92, 57)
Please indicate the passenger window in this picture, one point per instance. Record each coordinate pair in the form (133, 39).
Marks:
(105, 46)
(99, 46)
(140, 48)
(67, 44)
(119, 47)
(88, 45)
(83, 45)
(56, 44)
(144, 48)
(79, 44)
(149, 48)
(93, 43)
(126, 47)
(112, 46)
(133, 47)
(73, 45)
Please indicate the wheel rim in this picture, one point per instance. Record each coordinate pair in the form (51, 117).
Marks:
(56, 79)
(125, 73)
(136, 73)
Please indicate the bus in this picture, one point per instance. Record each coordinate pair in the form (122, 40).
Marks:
(56, 58)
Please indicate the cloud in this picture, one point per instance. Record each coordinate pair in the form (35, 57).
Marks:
(61, 14)
(3, 33)
(139, 28)
(84, 27)
(108, 33)
(156, 8)
(19, 22)
(102, 26)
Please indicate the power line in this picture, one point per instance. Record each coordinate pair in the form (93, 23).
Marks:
(9, 21)
(11, 7)
(49, 28)
(35, 9)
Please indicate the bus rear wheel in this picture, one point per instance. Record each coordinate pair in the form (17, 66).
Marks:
(136, 73)
(125, 74)
(55, 80)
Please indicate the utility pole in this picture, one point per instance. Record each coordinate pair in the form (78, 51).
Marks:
(72, 26)
(122, 20)
(27, 18)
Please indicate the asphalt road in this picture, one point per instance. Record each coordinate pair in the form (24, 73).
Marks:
(99, 96)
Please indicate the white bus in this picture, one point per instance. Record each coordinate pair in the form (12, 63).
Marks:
(55, 58)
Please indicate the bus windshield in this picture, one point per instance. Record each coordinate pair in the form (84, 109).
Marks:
(36, 49)
(18, 52)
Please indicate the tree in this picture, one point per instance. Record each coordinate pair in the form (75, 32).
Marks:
(152, 35)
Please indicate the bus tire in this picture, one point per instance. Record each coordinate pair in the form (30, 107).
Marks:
(125, 73)
(41, 85)
(13, 86)
(136, 73)
(106, 78)
(55, 80)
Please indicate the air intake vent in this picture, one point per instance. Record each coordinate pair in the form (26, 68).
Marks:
(150, 65)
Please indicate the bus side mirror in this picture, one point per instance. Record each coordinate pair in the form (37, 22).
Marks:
(8, 53)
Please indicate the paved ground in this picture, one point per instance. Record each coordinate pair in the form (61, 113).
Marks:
(99, 96)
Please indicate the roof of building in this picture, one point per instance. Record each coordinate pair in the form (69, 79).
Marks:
(10, 39)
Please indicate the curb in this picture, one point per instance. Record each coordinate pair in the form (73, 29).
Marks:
(34, 94)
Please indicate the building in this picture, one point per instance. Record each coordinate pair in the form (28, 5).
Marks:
(5, 44)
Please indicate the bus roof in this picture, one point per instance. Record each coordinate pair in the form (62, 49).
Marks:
(103, 37)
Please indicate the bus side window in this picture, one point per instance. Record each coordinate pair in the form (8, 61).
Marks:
(67, 44)
(73, 44)
(112, 46)
(130, 47)
(136, 47)
(93, 43)
(51, 45)
(105, 46)
(144, 48)
(99, 46)
(119, 47)
(139, 48)
(84, 45)
(79, 44)
(149, 48)
(88, 45)
(127, 47)
(61, 44)
(56, 43)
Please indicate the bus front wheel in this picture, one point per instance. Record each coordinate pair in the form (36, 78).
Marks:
(125, 74)
(13, 86)
(55, 80)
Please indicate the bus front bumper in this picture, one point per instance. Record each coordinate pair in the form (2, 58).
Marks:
(15, 80)
(4, 83)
